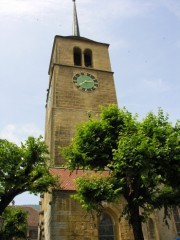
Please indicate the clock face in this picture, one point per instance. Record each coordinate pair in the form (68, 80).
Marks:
(85, 81)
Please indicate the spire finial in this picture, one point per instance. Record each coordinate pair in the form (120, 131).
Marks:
(76, 31)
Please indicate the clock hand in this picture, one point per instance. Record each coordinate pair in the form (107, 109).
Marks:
(90, 81)
(81, 83)
(86, 81)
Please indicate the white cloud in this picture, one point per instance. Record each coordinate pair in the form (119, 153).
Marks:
(107, 10)
(119, 44)
(15, 6)
(148, 87)
(128, 8)
(30, 8)
(19, 133)
(157, 85)
(177, 44)
(173, 6)
(101, 15)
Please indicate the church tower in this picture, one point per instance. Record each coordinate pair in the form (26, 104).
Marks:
(80, 81)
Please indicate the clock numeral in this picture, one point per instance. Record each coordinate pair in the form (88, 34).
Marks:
(88, 74)
(83, 89)
(82, 73)
(89, 90)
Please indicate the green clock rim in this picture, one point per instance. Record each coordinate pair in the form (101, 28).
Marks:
(85, 87)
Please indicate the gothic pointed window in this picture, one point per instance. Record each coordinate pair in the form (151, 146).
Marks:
(106, 227)
(88, 58)
(77, 56)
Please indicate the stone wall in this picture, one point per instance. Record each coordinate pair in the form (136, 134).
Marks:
(67, 106)
(68, 221)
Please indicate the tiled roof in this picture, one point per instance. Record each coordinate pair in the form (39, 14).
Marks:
(67, 177)
(33, 215)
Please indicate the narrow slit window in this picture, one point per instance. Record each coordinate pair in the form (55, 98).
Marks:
(88, 58)
(77, 57)
(151, 229)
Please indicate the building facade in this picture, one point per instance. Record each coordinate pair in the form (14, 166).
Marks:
(80, 81)
(33, 220)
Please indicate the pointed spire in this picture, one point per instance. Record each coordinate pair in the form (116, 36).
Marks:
(76, 31)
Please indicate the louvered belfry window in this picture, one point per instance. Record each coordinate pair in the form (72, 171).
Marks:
(77, 56)
(88, 58)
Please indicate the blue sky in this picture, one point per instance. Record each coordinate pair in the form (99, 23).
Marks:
(144, 38)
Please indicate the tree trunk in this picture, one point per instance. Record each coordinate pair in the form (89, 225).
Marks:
(7, 198)
(5, 201)
(136, 223)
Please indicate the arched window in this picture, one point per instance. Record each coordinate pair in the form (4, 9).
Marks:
(106, 227)
(77, 56)
(151, 229)
(88, 58)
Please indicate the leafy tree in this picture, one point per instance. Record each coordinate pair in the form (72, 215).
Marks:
(14, 225)
(23, 169)
(142, 157)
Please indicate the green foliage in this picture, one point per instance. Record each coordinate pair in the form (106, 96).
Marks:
(142, 157)
(97, 185)
(23, 168)
(93, 144)
(14, 224)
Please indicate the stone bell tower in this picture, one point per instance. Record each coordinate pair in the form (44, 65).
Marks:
(80, 80)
